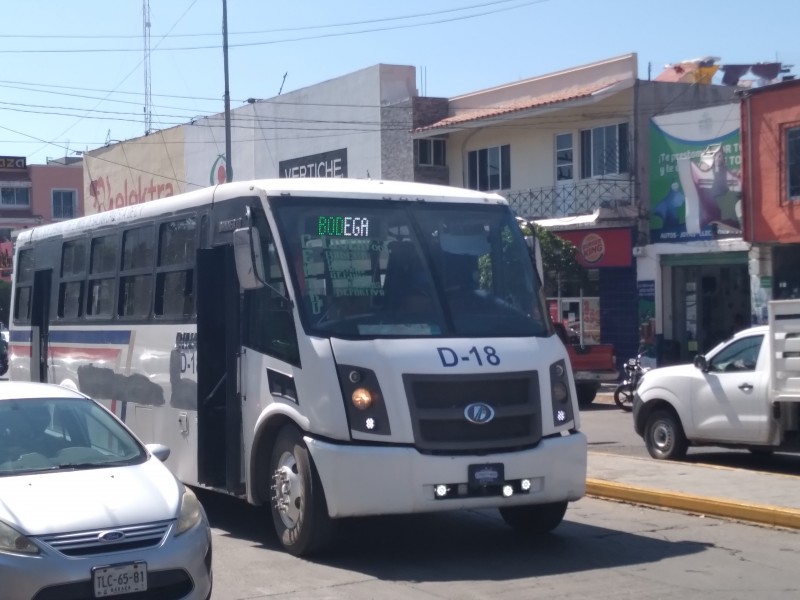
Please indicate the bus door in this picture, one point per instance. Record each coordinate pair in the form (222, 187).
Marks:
(219, 413)
(40, 323)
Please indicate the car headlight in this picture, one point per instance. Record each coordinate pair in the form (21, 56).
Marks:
(190, 513)
(12, 540)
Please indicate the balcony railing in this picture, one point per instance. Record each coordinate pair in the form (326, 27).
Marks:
(581, 198)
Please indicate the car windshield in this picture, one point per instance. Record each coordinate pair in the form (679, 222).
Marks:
(45, 434)
(367, 269)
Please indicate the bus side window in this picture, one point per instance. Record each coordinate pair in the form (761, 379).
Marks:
(24, 277)
(102, 276)
(73, 275)
(175, 296)
(269, 325)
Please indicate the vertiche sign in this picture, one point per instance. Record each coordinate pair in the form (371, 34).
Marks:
(325, 164)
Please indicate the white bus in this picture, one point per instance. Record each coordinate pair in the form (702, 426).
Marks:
(325, 347)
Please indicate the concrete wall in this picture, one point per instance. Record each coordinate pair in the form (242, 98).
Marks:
(134, 171)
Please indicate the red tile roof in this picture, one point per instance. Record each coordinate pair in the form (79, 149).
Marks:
(466, 115)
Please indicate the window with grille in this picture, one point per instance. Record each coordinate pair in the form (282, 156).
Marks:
(604, 151)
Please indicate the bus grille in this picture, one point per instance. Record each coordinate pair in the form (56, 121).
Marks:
(437, 404)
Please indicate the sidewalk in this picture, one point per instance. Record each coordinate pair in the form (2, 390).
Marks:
(741, 494)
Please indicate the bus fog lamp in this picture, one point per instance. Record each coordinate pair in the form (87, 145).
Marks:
(440, 490)
(508, 491)
(370, 424)
(361, 398)
(525, 485)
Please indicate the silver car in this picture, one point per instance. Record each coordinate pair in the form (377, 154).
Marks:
(88, 511)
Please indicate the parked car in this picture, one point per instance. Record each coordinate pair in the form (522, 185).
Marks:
(743, 393)
(87, 510)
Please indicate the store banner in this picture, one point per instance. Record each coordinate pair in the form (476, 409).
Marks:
(695, 175)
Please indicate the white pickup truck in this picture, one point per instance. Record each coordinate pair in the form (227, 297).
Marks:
(744, 393)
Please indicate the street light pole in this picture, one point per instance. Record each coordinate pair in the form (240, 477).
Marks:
(228, 161)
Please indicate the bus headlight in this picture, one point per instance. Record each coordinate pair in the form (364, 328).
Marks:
(361, 398)
(559, 394)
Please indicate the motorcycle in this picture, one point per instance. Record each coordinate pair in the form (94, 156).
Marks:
(623, 395)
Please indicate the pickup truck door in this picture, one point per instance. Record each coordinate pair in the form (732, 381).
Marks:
(729, 399)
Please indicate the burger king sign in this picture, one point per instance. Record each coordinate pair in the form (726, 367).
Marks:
(592, 248)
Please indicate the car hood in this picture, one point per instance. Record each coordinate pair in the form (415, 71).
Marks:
(56, 502)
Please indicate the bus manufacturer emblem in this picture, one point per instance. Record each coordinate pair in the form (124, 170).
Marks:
(478, 413)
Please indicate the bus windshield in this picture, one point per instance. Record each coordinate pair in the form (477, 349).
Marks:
(366, 269)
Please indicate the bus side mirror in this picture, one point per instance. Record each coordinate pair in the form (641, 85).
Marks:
(249, 262)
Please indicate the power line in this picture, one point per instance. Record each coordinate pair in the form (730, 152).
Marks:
(266, 31)
(280, 41)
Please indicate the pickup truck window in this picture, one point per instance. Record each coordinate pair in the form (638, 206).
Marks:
(741, 355)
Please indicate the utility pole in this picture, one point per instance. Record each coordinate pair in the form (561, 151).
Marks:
(228, 160)
(148, 112)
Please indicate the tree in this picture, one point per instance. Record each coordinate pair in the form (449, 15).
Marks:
(560, 260)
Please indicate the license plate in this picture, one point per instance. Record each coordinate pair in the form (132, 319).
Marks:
(486, 474)
(119, 579)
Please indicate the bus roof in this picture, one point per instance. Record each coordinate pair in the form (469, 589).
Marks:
(320, 187)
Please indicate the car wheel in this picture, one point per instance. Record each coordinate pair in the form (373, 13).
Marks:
(586, 394)
(299, 510)
(534, 518)
(623, 396)
(664, 437)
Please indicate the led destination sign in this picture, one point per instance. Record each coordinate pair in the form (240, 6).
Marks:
(343, 226)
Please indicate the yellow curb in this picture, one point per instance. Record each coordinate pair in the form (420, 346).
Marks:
(757, 513)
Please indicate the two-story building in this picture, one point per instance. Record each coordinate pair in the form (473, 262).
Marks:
(31, 195)
(570, 150)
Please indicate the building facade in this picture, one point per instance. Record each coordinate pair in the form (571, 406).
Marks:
(358, 125)
(770, 121)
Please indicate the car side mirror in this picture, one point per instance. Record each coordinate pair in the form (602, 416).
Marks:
(700, 362)
(160, 451)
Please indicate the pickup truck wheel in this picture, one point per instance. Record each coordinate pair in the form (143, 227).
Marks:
(664, 437)
(586, 394)
(534, 518)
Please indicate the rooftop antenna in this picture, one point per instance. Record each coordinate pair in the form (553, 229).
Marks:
(282, 82)
(148, 114)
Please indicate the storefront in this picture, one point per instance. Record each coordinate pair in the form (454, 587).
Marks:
(603, 308)
(710, 300)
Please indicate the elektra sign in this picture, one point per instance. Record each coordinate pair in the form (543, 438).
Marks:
(326, 164)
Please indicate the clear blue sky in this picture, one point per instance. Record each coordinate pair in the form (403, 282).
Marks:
(73, 73)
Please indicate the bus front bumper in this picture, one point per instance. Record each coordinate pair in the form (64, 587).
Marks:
(375, 480)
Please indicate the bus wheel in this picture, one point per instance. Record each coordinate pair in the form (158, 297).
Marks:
(534, 518)
(299, 510)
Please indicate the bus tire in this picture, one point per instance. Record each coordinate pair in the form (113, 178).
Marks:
(534, 519)
(298, 506)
